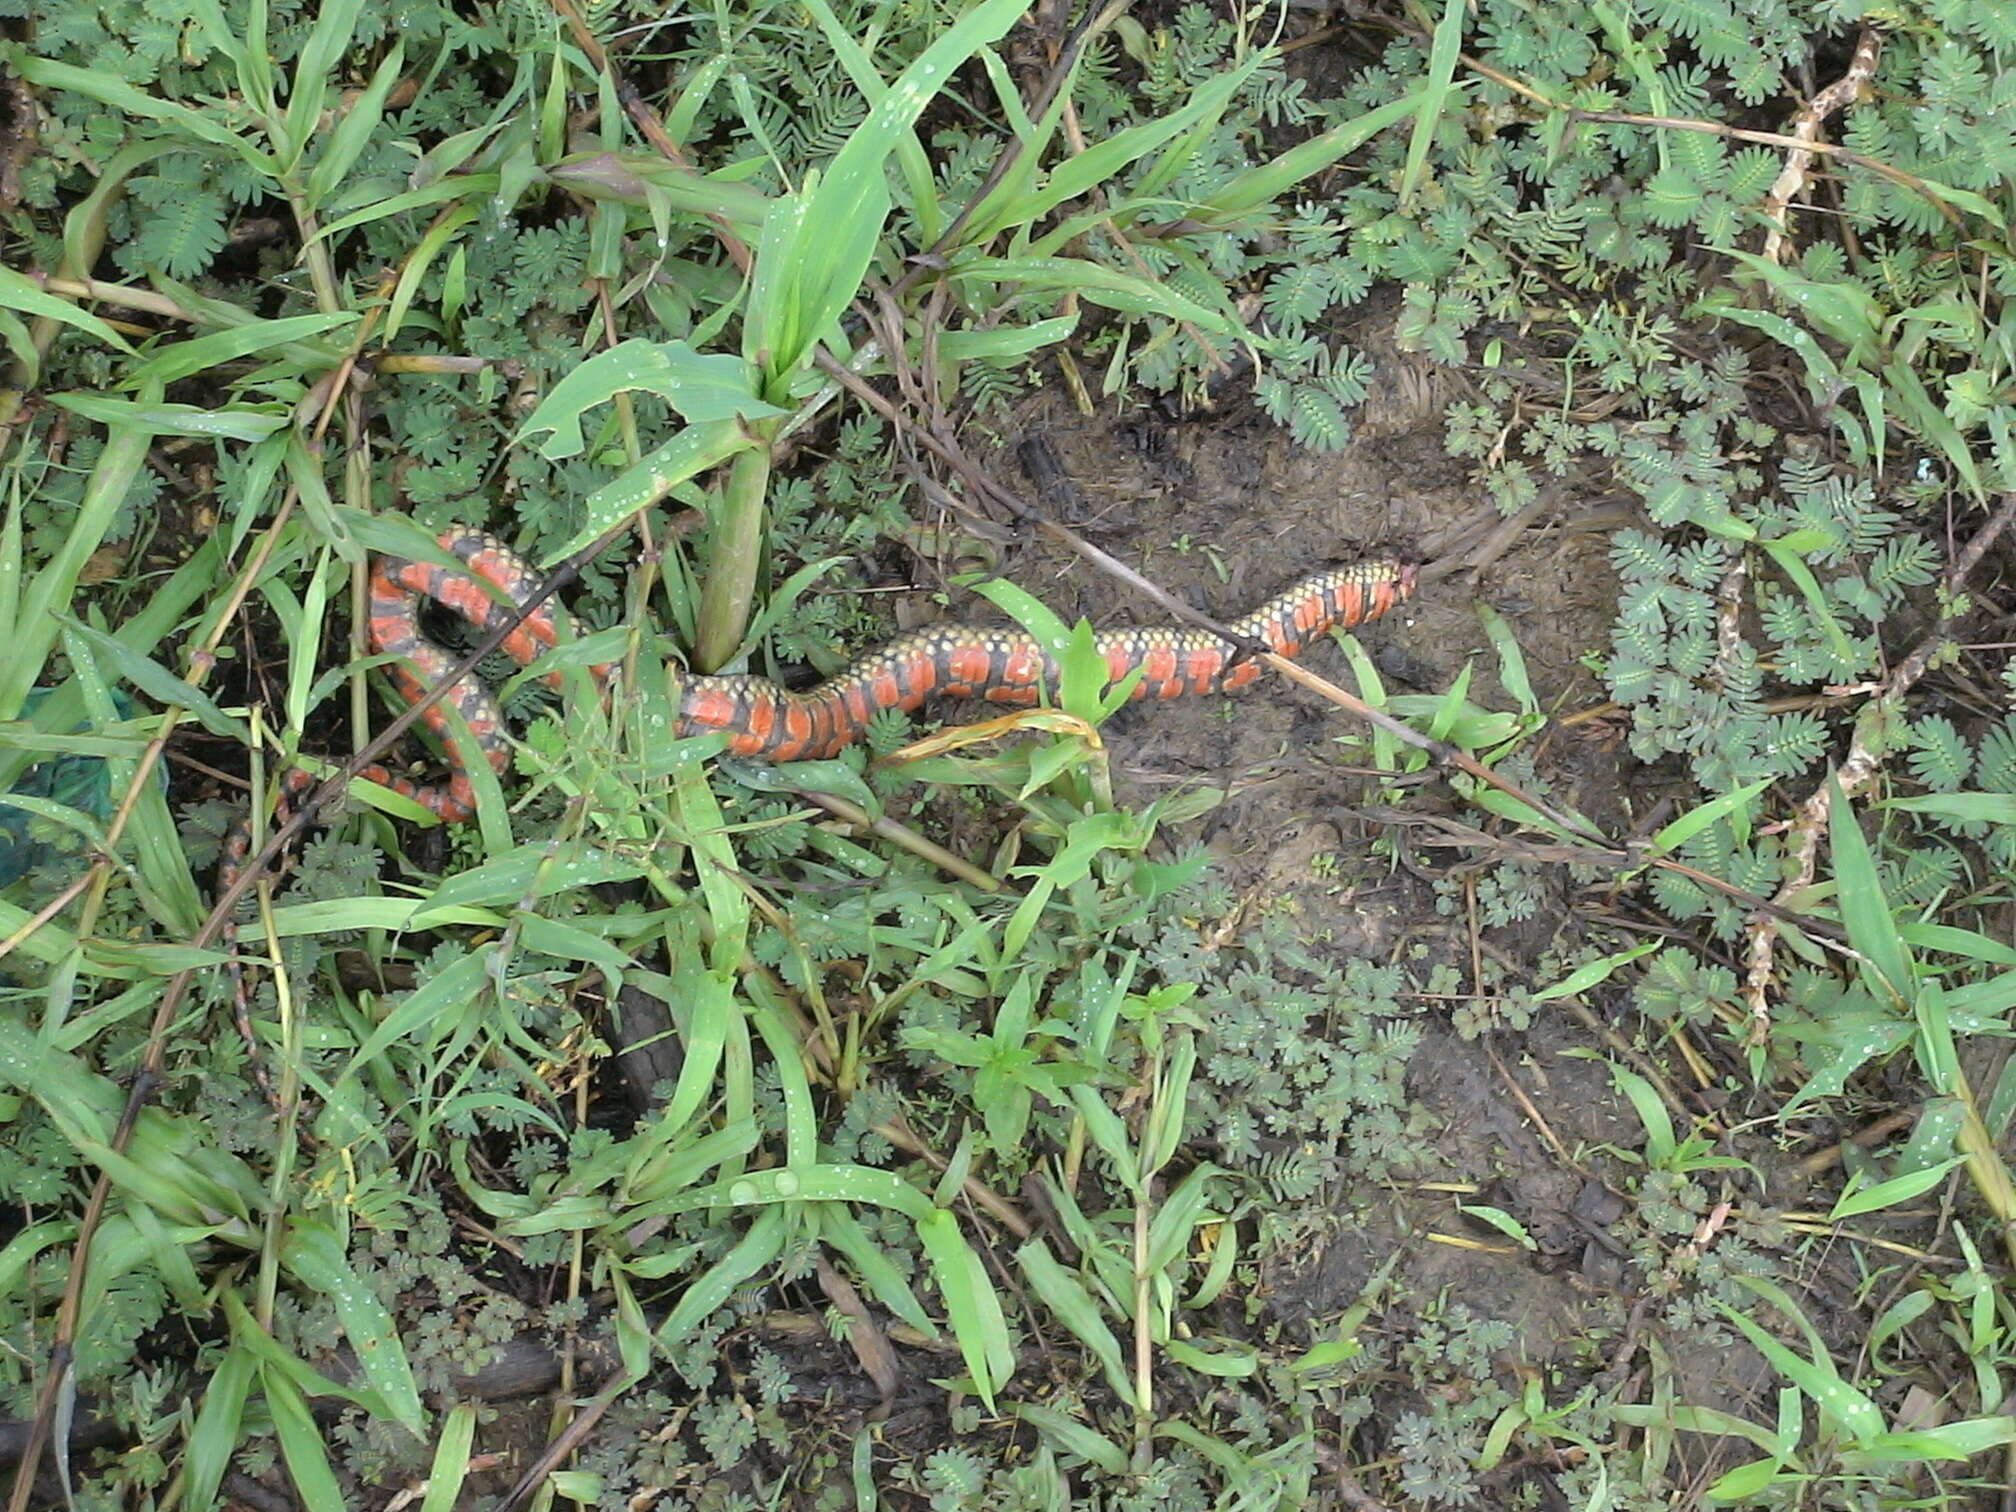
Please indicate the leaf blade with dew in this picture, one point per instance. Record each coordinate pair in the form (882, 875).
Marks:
(691, 452)
(314, 1254)
(1005, 341)
(233, 423)
(1817, 1378)
(755, 1250)
(1822, 372)
(700, 387)
(450, 1466)
(869, 83)
(1961, 1440)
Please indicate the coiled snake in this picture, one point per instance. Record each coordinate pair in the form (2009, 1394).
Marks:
(766, 720)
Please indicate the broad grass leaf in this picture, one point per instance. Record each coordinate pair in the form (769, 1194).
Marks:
(1259, 186)
(970, 1303)
(692, 452)
(1069, 1436)
(1438, 93)
(1097, 284)
(1890, 1193)
(301, 1444)
(315, 1255)
(213, 1441)
(170, 362)
(699, 387)
(756, 1250)
(1065, 1297)
(1865, 912)
(816, 263)
(233, 423)
(450, 1467)
(19, 292)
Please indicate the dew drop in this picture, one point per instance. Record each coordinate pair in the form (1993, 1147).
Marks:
(786, 1184)
(742, 1191)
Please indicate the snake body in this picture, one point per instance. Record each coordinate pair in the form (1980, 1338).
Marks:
(764, 719)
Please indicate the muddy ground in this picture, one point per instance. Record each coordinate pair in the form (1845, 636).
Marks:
(1255, 512)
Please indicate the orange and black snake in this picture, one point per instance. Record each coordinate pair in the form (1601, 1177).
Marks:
(763, 719)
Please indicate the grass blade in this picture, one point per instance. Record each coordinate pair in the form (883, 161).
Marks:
(1436, 95)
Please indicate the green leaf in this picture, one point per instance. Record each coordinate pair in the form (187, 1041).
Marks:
(1438, 93)
(301, 1444)
(335, 21)
(451, 1459)
(315, 1255)
(1585, 977)
(1660, 1144)
(1098, 285)
(1892, 1192)
(817, 245)
(18, 292)
(156, 681)
(214, 1440)
(233, 424)
(107, 88)
(1071, 1304)
(1837, 1400)
(688, 454)
(1705, 816)
(1006, 341)
(1961, 808)
(1502, 1221)
(1259, 186)
(970, 1303)
(355, 130)
(754, 1252)
(1234, 1361)
(1872, 929)
(1949, 1441)
(700, 388)
(1072, 1437)
(173, 361)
